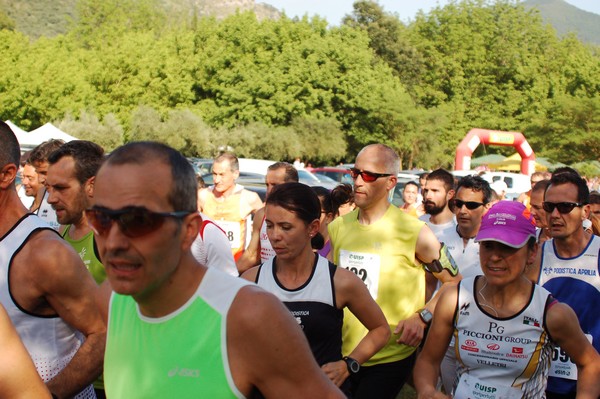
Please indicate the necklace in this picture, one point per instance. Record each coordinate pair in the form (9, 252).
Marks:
(493, 309)
(463, 237)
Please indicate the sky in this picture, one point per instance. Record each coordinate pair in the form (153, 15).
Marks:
(334, 10)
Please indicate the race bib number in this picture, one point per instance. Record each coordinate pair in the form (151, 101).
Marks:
(562, 366)
(233, 232)
(365, 266)
(471, 387)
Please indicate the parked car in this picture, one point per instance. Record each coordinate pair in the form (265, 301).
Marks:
(340, 175)
(517, 183)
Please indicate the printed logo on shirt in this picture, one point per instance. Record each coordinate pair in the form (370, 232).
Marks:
(493, 347)
(530, 321)
(463, 309)
(183, 372)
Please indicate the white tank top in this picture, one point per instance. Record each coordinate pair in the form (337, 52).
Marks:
(501, 357)
(47, 213)
(51, 343)
(266, 249)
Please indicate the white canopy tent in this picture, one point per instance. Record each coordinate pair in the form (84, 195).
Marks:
(29, 140)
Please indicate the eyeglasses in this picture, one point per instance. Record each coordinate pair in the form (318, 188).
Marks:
(368, 177)
(133, 221)
(469, 204)
(563, 207)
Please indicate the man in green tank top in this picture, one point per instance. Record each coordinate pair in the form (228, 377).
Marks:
(70, 184)
(177, 328)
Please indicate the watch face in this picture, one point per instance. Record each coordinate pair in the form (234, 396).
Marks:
(426, 316)
(354, 366)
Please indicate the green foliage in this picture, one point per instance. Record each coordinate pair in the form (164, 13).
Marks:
(6, 22)
(278, 89)
(108, 133)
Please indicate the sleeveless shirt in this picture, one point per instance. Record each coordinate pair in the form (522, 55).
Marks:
(505, 357)
(227, 215)
(181, 355)
(47, 213)
(382, 254)
(576, 282)
(87, 252)
(312, 305)
(266, 249)
(50, 341)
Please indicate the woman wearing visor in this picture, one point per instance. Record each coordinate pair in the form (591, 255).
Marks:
(505, 326)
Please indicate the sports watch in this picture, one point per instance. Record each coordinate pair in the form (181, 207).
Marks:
(425, 315)
(352, 364)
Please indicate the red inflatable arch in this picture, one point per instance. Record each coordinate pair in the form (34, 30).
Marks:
(493, 137)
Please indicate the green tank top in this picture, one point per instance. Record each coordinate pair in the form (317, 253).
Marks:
(181, 355)
(85, 249)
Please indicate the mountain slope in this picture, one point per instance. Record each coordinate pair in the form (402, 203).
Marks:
(566, 18)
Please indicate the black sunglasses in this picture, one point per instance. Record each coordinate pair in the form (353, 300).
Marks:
(133, 221)
(563, 207)
(368, 177)
(469, 204)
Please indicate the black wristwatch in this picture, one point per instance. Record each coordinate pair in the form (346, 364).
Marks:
(425, 315)
(352, 364)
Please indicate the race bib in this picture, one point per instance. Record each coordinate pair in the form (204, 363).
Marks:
(233, 232)
(472, 387)
(562, 366)
(365, 266)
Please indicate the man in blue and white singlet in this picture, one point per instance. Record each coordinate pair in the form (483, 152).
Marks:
(568, 267)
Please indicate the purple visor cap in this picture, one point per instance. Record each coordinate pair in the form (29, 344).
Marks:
(508, 222)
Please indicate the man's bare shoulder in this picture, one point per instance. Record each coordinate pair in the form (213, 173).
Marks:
(46, 252)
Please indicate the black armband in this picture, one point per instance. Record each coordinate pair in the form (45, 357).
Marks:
(445, 262)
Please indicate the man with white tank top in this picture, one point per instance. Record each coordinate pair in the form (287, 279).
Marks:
(47, 291)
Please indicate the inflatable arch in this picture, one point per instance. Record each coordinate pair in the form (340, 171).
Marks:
(493, 137)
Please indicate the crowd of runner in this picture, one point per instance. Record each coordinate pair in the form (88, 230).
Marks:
(121, 278)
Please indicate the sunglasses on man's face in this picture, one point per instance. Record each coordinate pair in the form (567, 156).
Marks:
(368, 177)
(563, 207)
(469, 204)
(133, 221)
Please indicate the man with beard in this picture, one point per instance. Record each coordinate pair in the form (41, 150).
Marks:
(438, 191)
(70, 185)
(228, 203)
(437, 194)
(39, 159)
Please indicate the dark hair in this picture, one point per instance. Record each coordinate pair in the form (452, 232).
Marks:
(234, 164)
(340, 195)
(291, 174)
(444, 176)
(411, 183)
(301, 200)
(87, 155)
(43, 150)
(542, 185)
(184, 191)
(325, 198)
(594, 197)
(566, 175)
(10, 151)
(478, 184)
